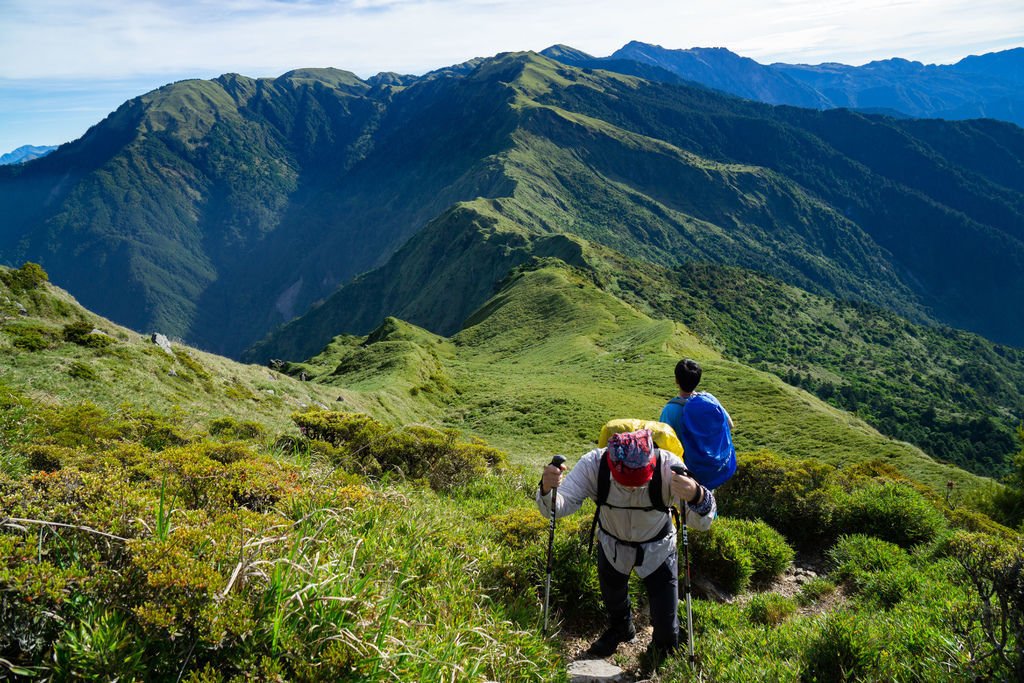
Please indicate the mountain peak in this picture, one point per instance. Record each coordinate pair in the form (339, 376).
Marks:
(25, 153)
(566, 54)
(329, 76)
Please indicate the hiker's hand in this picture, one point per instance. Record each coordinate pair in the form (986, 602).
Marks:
(551, 478)
(684, 488)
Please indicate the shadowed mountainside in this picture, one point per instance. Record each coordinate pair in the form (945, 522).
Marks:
(216, 210)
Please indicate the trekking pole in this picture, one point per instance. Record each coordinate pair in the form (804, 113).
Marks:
(681, 470)
(557, 462)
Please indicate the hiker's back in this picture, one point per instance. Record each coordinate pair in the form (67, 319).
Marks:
(702, 425)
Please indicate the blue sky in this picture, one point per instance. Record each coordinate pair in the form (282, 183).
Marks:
(65, 64)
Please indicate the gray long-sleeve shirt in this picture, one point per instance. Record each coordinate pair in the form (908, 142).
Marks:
(628, 525)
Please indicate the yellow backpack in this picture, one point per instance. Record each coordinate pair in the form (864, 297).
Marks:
(664, 436)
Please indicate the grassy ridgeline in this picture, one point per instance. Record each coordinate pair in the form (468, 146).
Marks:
(50, 353)
(546, 362)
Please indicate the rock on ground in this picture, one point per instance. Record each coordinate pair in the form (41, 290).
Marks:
(594, 671)
(163, 342)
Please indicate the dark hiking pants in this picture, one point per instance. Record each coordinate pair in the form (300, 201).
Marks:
(662, 593)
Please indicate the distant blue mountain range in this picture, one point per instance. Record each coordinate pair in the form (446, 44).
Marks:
(985, 86)
(25, 153)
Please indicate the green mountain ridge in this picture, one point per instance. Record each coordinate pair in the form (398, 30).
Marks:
(954, 394)
(551, 357)
(217, 210)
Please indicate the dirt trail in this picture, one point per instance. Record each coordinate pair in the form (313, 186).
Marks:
(631, 657)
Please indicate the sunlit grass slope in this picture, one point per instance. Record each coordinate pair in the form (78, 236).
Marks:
(551, 357)
(121, 366)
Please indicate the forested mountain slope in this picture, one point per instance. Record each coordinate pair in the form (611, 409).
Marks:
(216, 210)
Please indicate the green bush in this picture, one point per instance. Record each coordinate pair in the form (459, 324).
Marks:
(42, 457)
(30, 276)
(519, 528)
(238, 429)
(770, 609)
(228, 453)
(722, 556)
(103, 646)
(81, 424)
(815, 590)
(796, 497)
(735, 552)
(81, 333)
(32, 336)
(889, 587)
(994, 568)
(843, 650)
(856, 554)
(891, 511)
(769, 553)
(361, 444)
(151, 429)
(80, 370)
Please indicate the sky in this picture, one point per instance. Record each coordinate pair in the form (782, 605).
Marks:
(66, 64)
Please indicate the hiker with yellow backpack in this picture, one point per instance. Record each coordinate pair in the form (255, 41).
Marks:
(630, 477)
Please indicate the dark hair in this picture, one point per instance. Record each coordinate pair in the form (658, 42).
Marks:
(687, 374)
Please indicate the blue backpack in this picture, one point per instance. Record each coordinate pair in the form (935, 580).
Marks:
(707, 440)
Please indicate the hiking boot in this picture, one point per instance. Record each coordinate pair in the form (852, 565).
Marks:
(608, 643)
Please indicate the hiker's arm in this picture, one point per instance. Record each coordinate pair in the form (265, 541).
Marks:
(702, 512)
(578, 485)
(701, 506)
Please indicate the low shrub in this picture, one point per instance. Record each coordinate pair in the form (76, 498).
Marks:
(42, 457)
(153, 430)
(856, 554)
(994, 568)
(81, 424)
(843, 649)
(770, 609)
(28, 277)
(722, 556)
(815, 590)
(519, 528)
(102, 646)
(83, 371)
(735, 552)
(238, 429)
(361, 444)
(228, 453)
(891, 511)
(769, 553)
(797, 497)
(81, 333)
(889, 587)
(32, 336)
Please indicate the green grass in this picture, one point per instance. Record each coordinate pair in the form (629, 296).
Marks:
(266, 553)
(131, 370)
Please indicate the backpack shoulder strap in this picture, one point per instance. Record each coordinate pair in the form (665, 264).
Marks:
(604, 481)
(654, 487)
(678, 401)
(604, 484)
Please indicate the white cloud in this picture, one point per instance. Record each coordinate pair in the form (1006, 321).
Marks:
(157, 41)
(113, 38)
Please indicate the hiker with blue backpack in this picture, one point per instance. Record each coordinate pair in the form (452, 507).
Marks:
(633, 483)
(703, 426)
